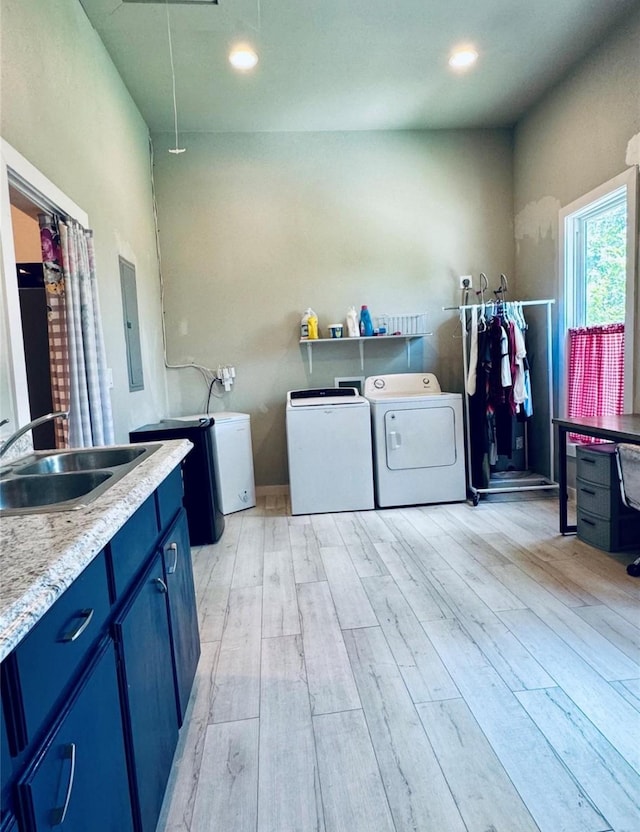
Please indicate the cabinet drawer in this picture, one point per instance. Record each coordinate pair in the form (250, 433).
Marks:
(79, 781)
(50, 655)
(169, 495)
(131, 546)
(612, 536)
(595, 499)
(596, 464)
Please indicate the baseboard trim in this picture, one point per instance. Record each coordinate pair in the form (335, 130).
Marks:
(271, 490)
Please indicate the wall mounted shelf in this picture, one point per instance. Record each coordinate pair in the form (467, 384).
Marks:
(361, 341)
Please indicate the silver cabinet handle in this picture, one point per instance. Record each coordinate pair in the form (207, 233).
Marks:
(171, 569)
(59, 814)
(161, 585)
(72, 635)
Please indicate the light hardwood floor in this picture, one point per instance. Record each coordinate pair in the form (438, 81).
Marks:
(433, 669)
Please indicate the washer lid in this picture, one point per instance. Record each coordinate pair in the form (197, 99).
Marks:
(321, 397)
(401, 385)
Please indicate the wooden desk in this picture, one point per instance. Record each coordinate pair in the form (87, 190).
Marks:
(624, 428)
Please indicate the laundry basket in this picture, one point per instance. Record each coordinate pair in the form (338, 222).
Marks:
(628, 459)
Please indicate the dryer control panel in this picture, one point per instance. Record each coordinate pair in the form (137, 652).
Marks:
(401, 384)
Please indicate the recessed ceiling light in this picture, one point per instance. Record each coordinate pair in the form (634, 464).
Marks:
(243, 57)
(463, 58)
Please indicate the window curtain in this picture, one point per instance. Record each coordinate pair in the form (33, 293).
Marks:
(78, 354)
(596, 373)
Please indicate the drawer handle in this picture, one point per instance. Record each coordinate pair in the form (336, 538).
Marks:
(161, 585)
(587, 491)
(588, 461)
(59, 814)
(588, 522)
(72, 635)
(174, 565)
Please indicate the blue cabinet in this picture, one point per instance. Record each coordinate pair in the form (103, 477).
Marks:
(59, 643)
(80, 781)
(185, 638)
(9, 824)
(142, 637)
(93, 696)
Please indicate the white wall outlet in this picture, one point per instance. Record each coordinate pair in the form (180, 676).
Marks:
(465, 281)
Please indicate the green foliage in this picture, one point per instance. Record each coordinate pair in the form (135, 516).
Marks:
(605, 262)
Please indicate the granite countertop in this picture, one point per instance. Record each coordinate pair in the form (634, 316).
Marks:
(42, 554)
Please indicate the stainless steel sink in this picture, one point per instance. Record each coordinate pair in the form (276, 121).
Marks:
(26, 493)
(65, 480)
(90, 459)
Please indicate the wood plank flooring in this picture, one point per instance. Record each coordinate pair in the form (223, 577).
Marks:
(428, 669)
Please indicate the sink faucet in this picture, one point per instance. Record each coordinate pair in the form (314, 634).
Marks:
(59, 414)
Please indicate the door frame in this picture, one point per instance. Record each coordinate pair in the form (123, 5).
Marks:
(17, 171)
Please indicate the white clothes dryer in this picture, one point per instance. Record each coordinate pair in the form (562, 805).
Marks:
(418, 440)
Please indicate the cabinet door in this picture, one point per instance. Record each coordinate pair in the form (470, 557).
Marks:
(9, 824)
(142, 634)
(80, 780)
(185, 638)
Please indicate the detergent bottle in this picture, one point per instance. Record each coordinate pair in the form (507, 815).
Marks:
(366, 327)
(304, 324)
(313, 325)
(352, 323)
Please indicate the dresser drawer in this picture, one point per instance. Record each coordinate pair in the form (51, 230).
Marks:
(48, 658)
(595, 499)
(612, 536)
(132, 545)
(596, 464)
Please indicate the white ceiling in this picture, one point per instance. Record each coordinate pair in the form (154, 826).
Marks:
(347, 64)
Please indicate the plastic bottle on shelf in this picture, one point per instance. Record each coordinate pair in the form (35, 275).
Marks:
(366, 327)
(304, 324)
(313, 325)
(353, 330)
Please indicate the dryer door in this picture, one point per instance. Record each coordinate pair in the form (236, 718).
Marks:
(424, 437)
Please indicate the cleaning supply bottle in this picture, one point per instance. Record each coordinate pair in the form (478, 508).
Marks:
(304, 324)
(353, 329)
(366, 327)
(313, 325)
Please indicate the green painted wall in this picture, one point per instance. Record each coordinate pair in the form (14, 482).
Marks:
(66, 109)
(255, 228)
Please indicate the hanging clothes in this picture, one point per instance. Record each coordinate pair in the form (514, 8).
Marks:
(502, 388)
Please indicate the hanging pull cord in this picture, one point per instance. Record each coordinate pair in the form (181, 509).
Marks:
(174, 149)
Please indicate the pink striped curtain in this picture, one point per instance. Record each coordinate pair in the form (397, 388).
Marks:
(596, 372)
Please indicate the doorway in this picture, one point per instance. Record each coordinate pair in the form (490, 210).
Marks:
(33, 312)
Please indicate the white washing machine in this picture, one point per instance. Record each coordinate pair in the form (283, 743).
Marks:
(329, 449)
(233, 459)
(418, 440)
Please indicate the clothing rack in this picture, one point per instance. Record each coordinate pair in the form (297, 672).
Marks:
(510, 481)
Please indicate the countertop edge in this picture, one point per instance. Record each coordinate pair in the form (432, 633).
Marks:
(74, 540)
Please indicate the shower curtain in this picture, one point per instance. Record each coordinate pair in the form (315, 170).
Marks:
(76, 343)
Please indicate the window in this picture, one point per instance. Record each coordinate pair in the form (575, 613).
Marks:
(598, 245)
(597, 283)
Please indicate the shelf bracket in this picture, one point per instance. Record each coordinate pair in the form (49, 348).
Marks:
(361, 349)
(310, 357)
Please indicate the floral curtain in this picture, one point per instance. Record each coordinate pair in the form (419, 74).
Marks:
(596, 372)
(80, 365)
